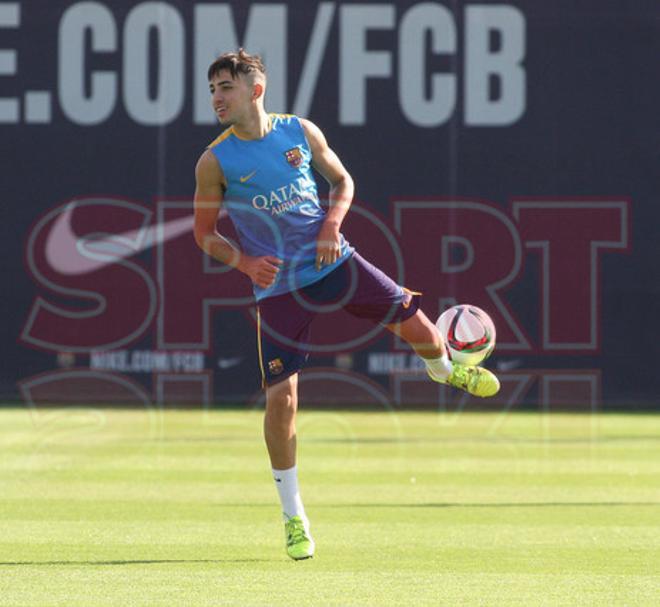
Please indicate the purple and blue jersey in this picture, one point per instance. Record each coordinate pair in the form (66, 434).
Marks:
(273, 202)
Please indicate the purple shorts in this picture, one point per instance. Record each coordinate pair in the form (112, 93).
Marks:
(360, 288)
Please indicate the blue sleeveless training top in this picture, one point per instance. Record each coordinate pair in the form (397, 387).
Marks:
(273, 201)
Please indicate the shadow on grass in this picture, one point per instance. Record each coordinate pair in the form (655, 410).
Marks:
(459, 505)
(500, 505)
(487, 440)
(431, 440)
(127, 562)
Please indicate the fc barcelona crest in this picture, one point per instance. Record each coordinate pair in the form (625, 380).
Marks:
(275, 366)
(294, 157)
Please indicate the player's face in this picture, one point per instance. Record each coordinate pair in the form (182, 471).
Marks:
(230, 97)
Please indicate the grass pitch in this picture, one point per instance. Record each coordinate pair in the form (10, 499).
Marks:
(105, 507)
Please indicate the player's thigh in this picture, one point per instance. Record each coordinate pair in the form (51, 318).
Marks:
(376, 297)
(283, 336)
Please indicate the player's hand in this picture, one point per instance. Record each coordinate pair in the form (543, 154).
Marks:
(328, 246)
(261, 270)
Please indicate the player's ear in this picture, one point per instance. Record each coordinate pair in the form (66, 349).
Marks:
(257, 91)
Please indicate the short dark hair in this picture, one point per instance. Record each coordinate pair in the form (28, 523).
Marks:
(237, 63)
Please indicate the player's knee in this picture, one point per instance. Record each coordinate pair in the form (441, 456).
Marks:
(281, 402)
(422, 334)
(435, 340)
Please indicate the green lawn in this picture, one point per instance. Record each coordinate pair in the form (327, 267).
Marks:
(104, 507)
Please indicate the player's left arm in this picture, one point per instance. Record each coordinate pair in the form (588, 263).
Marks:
(326, 162)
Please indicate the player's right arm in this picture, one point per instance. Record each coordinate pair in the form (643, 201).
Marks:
(210, 184)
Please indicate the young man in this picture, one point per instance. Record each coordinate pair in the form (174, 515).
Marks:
(260, 170)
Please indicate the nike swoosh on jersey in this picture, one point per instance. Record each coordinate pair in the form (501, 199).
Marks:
(248, 176)
(71, 254)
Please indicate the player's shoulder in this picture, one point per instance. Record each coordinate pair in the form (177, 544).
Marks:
(278, 118)
(208, 167)
(312, 132)
(226, 135)
(287, 121)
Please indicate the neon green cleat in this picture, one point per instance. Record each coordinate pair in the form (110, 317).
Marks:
(299, 542)
(474, 380)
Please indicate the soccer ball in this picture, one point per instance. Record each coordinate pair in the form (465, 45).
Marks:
(469, 334)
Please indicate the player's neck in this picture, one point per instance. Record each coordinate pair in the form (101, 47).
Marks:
(255, 126)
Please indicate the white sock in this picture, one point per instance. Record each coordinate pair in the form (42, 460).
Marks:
(440, 368)
(286, 482)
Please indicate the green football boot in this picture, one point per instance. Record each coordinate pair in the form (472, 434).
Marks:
(299, 542)
(474, 380)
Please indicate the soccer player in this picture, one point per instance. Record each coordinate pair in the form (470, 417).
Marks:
(260, 170)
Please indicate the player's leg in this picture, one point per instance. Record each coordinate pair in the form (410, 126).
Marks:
(377, 297)
(423, 337)
(280, 422)
(421, 334)
(280, 435)
(283, 333)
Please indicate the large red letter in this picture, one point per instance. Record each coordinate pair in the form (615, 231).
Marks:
(462, 252)
(570, 237)
(80, 252)
(192, 284)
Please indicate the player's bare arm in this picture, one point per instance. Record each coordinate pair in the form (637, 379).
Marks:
(210, 183)
(327, 163)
